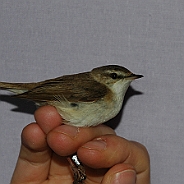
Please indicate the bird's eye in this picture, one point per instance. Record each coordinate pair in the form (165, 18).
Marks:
(114, 75)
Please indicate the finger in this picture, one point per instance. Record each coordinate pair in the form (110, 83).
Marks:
(65, 139)
(109, 150)
(47, 118)
(34, 158)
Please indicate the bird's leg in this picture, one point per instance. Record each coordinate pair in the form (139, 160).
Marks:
(78, 170)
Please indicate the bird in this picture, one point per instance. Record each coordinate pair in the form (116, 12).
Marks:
(84, 99)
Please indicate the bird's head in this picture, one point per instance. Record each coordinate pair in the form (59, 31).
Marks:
(117, 78)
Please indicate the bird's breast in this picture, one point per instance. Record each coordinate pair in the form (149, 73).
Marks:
(89, 113)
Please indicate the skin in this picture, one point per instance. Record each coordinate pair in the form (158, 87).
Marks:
(108, 158)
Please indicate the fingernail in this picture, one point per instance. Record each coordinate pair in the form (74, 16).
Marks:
(125, 177)
(70, 131)
(97, 144)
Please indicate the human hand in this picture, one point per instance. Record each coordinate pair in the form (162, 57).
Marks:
(107, 158)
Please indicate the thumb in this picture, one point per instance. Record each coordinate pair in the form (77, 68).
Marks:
(120, 174)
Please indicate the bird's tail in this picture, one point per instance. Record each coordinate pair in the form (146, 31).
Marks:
(17, 88)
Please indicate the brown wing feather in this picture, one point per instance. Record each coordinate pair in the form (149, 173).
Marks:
(74, 88)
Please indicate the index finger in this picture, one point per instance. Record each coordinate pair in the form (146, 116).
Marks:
(47, 118)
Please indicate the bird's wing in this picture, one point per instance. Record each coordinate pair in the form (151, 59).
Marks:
(74, 88)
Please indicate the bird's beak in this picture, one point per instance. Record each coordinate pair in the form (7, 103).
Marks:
(133, 76)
